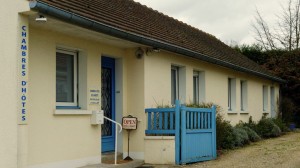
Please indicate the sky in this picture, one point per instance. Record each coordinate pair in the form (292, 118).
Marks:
(228, 20)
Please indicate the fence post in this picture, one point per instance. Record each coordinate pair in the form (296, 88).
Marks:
(183, 134)
(213, 118)
(177, 132)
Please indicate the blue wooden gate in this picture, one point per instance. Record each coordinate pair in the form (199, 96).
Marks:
(198, 134)
(194, 130)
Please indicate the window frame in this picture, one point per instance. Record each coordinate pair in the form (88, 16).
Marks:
(231, 82)
(73, 104)
(176, 89)
(272, 101)
(243, 95)
(265, 98)
(196, 88)
(229, 94)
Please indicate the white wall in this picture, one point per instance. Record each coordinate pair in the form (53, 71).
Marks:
(160, 149)
(11, 21)
(158, 83)
(54, 139)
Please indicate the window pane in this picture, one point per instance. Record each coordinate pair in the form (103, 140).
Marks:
(173, 85)
(64, 77)
(229, 93)
(265, 98)
(243, 95)
(196, 87)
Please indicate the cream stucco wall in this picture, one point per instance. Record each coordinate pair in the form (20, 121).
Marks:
(158, 84)
(157, 91)
(160, 149)
(135, 103)
(56, 138)
(12, 146)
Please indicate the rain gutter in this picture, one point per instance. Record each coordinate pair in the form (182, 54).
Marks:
(81, 21)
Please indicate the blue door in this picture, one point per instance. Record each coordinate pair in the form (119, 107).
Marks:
(108, 103)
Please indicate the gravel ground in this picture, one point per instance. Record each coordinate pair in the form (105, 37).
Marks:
(282, 152)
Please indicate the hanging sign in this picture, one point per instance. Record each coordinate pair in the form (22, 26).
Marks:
(129, 123)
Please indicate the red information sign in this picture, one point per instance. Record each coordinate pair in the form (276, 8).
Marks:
(129, 123)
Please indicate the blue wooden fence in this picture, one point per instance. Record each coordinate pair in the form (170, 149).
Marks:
(194, 130)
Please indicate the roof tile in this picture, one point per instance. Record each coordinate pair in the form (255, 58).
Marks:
(139, 19)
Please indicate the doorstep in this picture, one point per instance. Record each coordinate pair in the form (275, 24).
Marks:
(121, 164)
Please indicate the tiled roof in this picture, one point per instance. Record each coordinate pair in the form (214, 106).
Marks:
(133, 17)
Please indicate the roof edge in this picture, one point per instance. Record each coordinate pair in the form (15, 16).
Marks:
(116, 32)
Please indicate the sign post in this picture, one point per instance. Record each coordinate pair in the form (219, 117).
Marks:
(129, 123)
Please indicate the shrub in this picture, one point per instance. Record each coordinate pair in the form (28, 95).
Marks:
(240, 136)
(251, 124)
(267, 128)
(203, 105)
(225, 136)
(253, 136)
(279, 122)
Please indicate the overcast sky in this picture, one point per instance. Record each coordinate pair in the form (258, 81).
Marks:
(228, 20)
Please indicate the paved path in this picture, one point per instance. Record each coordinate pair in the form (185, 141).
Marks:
(282, 152)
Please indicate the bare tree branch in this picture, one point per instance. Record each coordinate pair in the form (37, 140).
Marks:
(286, 33)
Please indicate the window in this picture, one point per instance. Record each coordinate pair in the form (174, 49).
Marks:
(273, 106)
(66, 78)
(174, 84)
(244, 97)
(231, 94)
(265, 98)
(196, 86)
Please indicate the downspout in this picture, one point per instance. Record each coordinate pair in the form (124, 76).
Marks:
(122, 34)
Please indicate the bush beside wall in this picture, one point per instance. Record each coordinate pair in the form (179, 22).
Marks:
(229, 137)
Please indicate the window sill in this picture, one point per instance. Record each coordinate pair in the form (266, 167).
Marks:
(232, 112)
(67, 107)
(72, 112)
(266, 112)
(244, 112)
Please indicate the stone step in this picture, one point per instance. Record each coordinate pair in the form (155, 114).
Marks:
(121, 164)
(110, 157)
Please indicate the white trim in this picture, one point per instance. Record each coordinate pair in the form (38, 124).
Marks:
(71, 111)
(74, 54)
(70, 163)
(135, 155)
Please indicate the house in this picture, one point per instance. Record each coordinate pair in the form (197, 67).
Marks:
(61, 60)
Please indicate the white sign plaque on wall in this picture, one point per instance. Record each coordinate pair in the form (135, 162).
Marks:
(94, 97)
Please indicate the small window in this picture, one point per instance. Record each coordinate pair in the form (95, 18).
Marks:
(273, 105)
(231, 94)
(66, 78)
(196, 77)
(174, 84)
(265, 98)
(243, 95)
